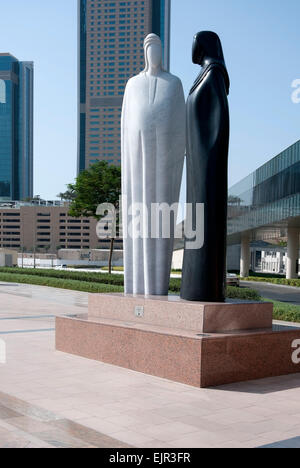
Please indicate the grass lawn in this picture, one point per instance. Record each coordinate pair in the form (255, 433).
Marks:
(286, 312)
(118, 268)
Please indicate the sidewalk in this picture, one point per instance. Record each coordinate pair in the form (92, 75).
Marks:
(50, 398)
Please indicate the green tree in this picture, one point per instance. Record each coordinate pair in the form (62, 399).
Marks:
(233, 200)
(67, 196)
(282, 243)
(101, 183)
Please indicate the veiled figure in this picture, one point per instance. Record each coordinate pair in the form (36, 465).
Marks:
(204, 270)
(153, 149)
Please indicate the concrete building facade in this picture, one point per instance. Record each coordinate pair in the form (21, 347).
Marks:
(16, 128)
(110, 46)
(8, 258)
(47, 227)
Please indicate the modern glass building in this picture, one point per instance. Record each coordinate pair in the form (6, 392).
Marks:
(111, 35)
(268, 197)
(16, 128)
(266, 206)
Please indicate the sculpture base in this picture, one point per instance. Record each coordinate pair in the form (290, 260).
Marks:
(182, 353)
(174, 312)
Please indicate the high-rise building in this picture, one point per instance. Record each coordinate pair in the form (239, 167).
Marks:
(111, 36)
(16, 128)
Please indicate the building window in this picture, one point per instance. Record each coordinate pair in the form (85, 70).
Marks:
(2, 92)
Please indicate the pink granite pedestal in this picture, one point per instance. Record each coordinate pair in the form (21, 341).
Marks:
(174, 312)
(198, 344)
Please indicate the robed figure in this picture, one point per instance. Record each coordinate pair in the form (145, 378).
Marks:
(204, 269)
(153, 150)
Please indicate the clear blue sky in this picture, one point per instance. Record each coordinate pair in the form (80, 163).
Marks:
(261, 45)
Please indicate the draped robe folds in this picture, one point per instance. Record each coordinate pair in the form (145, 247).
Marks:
(153, 148)
(204, 270)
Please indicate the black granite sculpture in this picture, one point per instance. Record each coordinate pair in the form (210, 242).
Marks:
(204, 270)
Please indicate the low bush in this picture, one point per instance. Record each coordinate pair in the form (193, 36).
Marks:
(95, 282)
(265, 275)
(276, 280)
(243, 294)
(73, 285)
(103, 278)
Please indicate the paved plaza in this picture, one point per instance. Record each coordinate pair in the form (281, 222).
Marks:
(50, 399)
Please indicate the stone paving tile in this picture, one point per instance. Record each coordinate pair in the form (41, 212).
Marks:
(168, 432)
(73, 415)
(147, 418)
(19, 443)
(25, 408)
(56, 399)
(155, 444)
(6, 413)
(203, 424)
(102, 425)
(28, 424)
(199, 439)
(19, 431)
(39, 445)
(88, 435)
(60, 439)
(133, 438)
(234, 444)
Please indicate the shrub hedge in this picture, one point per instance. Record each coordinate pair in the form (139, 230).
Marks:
(116, 280)
(73, 285)
(104, 283)
(95, 282)
(282, 281)
(243, 294)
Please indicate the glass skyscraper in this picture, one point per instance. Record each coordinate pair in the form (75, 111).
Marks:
(111, 35)
(16, 128)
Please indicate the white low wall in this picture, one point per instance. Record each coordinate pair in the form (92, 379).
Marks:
(39, 263)
(48, 263)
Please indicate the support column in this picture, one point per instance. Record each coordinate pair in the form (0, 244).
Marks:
(245, 256)
(292, 253)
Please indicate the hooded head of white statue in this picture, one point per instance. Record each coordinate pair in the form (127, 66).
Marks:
(153, 146)
(153, 54)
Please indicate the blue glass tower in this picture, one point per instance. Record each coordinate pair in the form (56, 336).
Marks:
(110, 51)
(16, 128)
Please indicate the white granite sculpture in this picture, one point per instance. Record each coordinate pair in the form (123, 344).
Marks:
(153, 149)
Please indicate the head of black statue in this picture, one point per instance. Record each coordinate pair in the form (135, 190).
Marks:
(207, 49)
